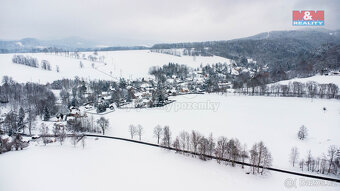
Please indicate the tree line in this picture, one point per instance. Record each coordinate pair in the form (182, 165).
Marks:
(293, 89)
(25, 60)
(328, 163)
(32, 62)
(223, 148)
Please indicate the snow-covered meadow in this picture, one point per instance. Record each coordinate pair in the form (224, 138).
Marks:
(128, 64)
(114, 165)
(274, 120)
(321, 79)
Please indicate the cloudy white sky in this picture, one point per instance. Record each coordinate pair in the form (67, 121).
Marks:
(137, 22)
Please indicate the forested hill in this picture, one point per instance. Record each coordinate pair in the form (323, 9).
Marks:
(298, 52)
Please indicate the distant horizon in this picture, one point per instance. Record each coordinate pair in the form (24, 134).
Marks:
(102, 45)
(146, 22)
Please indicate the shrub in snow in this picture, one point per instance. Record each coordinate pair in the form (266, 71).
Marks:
(16, 142)
(303, 132)
(102, 107)
(45, 65)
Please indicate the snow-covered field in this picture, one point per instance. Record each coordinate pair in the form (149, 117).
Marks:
(274, 120)
(114, 165)
(129, 64)
(335, 79)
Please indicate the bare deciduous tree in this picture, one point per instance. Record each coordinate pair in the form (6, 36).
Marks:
(139, 131)
(294, 155)
(183, 140)
(195, 137)
(323, 164)
(166, 136)
(176, 144)
(244, 154)
(254, 157)
(301, 164)
(62, 135)
(331, 154)
(260, 157)
(44, 133)
(203, 146)
(132, 131)
(233, 150)
(157, 132)
(309, 160)
(103, 124)
(221, 148)
(83, 141)
(267, 160)
(211, 144)
(74, 139)
(55, 130)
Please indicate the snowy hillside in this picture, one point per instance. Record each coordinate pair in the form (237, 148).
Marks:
(113, 165)
(128, 64)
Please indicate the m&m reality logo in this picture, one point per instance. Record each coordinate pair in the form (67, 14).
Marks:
(308, 18)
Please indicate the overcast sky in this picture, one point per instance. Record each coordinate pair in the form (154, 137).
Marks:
(139, 22)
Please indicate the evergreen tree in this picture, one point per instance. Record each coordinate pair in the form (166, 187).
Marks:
(11, 123)
(46, 114)
(21, 118)
(74, 102)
